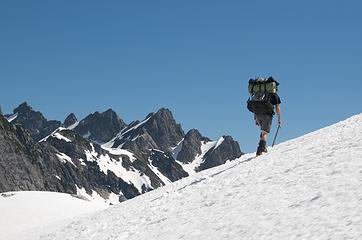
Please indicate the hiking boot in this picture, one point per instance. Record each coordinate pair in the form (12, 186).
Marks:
(261, 148)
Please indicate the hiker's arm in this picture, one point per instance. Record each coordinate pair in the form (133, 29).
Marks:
(277, 108)
(256, 121)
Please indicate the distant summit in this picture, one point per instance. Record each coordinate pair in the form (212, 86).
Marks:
(34, 121)
(70, 120)
(100, 127)
(158, 130)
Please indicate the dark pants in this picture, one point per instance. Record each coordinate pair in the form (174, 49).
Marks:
(264, 121)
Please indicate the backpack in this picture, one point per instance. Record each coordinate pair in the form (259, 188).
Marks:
(260, 90)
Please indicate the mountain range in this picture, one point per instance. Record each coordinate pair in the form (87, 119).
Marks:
(101, 155)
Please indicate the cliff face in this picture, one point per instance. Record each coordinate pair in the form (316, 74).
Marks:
(22, 165)
(25, 165)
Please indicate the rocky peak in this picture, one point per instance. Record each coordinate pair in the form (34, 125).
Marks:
(163, 113)
(23, 108)
(157, 131)
(164, 130)
(34, 121)
(70, 120)
(228, 149)
(25, 112)
(110, 114)
(195, 134)
(191, 146)
(100, 127)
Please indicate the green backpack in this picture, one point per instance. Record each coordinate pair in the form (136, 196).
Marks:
(260, 90)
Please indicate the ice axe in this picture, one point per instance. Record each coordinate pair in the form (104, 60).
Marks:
(276, 134)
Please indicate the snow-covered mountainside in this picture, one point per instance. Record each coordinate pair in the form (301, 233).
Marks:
(307, 188)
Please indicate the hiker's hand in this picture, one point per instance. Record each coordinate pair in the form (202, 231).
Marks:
(279, 123)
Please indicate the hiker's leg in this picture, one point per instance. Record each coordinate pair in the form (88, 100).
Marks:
(263, 135)
(265, 123)
(261, 147)
(262, 143)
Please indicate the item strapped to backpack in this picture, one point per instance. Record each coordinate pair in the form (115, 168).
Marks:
(260, 90)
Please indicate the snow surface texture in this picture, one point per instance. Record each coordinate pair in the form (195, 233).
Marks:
(307, 188)
(24, 213)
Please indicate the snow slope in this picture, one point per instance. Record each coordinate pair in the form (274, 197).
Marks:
(307, 188)
(25, 212)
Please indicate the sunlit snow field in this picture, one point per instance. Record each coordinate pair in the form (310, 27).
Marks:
(307, 188)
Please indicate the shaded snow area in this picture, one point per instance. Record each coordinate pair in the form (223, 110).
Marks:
(123, 133)
(135, 127)
(95, 197)
(117, 151)
(219, 142)
(65, 158)
(307, 188)
(205, 147)
(12, 117)
(177, 149)
(56, 134)
(74, 125)
(24, 214)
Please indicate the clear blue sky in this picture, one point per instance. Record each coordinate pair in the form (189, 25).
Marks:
(194, 57)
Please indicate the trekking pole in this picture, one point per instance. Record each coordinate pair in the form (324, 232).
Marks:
(275, 137)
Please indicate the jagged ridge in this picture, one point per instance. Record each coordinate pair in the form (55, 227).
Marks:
(137, 158)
